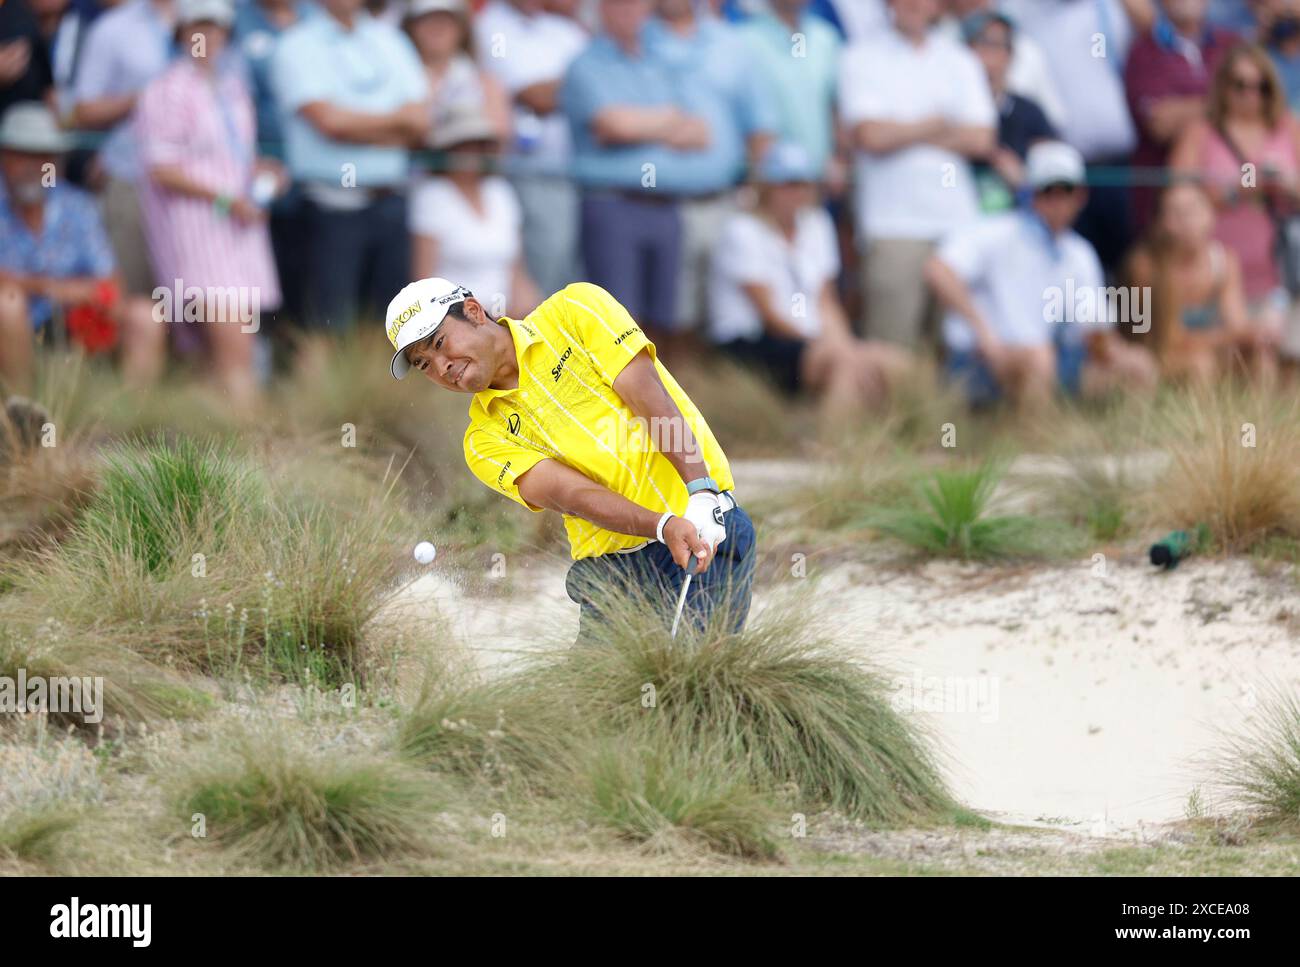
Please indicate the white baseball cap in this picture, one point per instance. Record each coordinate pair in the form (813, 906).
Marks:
(1054, 162)
(416, 312)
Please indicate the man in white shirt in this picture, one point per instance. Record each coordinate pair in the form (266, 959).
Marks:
(917, 108)
(1027, 302)
(528, 50)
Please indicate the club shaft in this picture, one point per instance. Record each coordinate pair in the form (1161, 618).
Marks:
(681, 602)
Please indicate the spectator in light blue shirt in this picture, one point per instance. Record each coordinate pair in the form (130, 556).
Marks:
(713, 78)
(352, 97)
(799, 52)
(629, 130)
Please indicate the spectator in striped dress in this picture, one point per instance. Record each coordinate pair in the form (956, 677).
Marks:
(196, 128)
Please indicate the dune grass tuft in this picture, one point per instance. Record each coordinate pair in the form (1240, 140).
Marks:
(670, 799)
(289, 808)
(951, 515)
(1234, 466)
(1259, 767)
(155, 495)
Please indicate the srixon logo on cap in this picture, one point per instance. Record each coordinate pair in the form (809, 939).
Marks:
(400, 318)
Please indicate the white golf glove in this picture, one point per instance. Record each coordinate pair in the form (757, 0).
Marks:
(704, 510)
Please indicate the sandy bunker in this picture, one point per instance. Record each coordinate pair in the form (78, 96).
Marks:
(1069, 695)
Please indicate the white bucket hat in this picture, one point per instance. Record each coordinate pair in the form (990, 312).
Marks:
(415, 313)
(30, 127)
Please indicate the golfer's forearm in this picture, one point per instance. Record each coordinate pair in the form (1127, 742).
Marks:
(640, 387)
(612, 511)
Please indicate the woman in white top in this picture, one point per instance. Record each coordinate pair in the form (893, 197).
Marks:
(439, 29)
(773, 303)
(466, 223)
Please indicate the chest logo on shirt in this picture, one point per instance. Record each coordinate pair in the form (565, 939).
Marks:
(559, 367)
(513, 423)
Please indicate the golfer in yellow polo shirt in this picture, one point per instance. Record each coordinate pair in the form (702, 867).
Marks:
(573, 413)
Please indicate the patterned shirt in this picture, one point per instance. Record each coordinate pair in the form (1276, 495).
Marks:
(71, 244)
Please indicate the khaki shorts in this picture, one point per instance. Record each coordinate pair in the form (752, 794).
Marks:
(124, 223)
(702, 223)
(897, 305)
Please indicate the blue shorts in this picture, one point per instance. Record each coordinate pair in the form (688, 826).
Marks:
(727, 584)
(967, 367)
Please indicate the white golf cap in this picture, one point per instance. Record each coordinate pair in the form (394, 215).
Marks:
(219, 12)
(416, 312)
(1054, 162)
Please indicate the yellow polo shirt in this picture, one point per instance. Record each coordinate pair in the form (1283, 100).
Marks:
(570, 350)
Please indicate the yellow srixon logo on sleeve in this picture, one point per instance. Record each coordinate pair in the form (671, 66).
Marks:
(397, 321)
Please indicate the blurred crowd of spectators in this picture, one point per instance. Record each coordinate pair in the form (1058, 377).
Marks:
(826, 190)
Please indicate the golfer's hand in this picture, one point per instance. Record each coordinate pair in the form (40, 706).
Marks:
(683, 540)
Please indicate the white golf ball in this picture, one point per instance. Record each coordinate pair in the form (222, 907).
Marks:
(425, 552)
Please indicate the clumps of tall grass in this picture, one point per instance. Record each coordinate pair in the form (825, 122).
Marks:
(801, 721)
(1235, 466)
(134, 690)
(189, 557)
(952, 513)
(507, 734)
(1259, 767)
(670, 798)
(156, 498)
(276, 804)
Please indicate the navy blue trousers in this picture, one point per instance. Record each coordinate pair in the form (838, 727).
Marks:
(727, 584)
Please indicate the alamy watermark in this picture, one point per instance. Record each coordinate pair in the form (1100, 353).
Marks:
(948, 694)
(1128, 305)
(240, 304)
(67, 695)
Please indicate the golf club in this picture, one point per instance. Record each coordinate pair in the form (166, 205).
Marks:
(681, 598)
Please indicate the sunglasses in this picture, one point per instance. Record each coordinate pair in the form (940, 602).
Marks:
(1058, 188)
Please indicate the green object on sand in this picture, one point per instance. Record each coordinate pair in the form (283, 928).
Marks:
(1176, 545)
